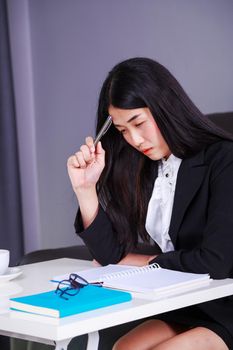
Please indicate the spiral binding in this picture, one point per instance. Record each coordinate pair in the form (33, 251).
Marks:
(129, 272)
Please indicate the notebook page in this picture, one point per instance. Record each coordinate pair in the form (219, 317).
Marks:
(157, 280)
(95, 274)
(166, 293)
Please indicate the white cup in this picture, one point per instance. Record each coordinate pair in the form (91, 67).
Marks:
(4, 260)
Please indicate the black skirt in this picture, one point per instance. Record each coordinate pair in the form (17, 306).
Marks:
(192, 317)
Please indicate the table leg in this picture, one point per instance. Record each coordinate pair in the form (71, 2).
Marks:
(62, 344)
(93, 341)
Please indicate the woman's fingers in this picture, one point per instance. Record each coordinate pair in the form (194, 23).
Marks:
(90, 143)
(73, 162)
(87, 154)
(100, 152)
(84, 156)
(80, 159)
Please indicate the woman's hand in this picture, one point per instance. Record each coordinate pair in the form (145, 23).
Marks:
(136, 259)
(84, 169)
(86, 165)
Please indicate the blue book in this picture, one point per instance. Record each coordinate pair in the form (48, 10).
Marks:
(51, 304)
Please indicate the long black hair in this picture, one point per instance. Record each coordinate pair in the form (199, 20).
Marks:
(126, 182)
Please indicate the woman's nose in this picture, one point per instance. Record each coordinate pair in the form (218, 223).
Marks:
(136, 139)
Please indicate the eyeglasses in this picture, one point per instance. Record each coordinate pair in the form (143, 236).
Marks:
(72, 286)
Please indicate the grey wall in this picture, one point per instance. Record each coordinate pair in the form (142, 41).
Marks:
(73, 44)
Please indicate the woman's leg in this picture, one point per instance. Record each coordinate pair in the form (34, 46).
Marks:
(147, 335)
(200, 338)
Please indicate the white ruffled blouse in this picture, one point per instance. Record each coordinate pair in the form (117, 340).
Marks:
(161, 202)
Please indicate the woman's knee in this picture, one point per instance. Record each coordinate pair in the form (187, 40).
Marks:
(147, 335)
(123, 344)
(196, 338)
(118, 345)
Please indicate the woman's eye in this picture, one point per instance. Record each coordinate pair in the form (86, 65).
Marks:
(137, 125)
(122, 131)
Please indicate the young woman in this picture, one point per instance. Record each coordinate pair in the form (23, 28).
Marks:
(164, 172)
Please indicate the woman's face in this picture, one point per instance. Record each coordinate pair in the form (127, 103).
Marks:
(140, 130)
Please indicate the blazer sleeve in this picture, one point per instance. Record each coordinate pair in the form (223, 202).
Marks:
(100, 238)
(214, 254)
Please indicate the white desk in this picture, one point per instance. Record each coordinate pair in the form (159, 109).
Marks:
(35, 278)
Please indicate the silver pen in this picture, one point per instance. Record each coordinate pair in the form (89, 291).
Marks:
(103, 130)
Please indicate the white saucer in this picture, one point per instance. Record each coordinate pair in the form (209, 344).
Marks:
(10, 274)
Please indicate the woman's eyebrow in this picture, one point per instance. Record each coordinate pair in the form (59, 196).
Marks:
(129, 120)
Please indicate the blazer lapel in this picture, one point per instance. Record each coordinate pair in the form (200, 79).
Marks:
(189, 179)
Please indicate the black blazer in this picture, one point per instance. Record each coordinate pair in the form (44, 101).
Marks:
(201, 227)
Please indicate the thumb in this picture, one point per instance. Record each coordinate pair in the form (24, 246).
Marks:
(100, 152)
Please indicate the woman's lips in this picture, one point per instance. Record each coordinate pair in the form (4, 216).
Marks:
(147, 150)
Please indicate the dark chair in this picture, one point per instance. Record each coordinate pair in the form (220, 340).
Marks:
(109, 336)
(223, 120)
(74, 252)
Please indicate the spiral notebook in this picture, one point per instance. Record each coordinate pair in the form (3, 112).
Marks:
(150, 278)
